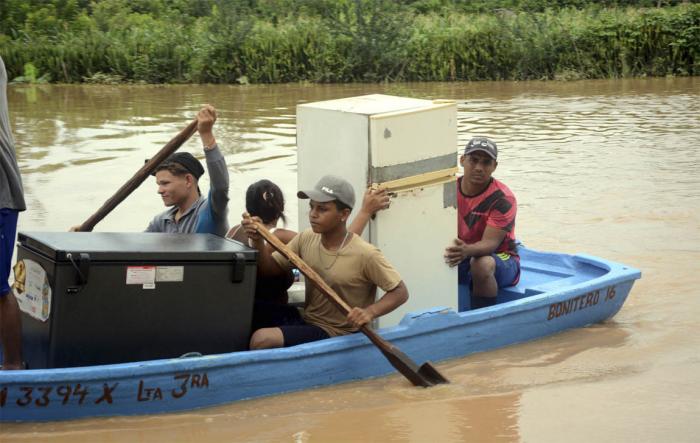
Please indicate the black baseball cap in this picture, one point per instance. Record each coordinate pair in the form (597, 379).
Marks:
(482, 144)
(187, 161)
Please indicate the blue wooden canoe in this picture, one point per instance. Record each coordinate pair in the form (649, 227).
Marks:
(556, 292)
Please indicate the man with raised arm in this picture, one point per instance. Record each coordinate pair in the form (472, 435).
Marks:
(178, 185)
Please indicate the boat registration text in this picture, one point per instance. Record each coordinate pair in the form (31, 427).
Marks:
(82, 393)
(579, 302)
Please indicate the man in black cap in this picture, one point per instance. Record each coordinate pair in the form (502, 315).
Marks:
(485, 249)
(177, 178)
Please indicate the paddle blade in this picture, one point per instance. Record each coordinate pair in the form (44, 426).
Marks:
(426, 376)
(430, 373)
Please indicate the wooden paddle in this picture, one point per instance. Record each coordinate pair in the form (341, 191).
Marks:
(138, 178)
(426, 375)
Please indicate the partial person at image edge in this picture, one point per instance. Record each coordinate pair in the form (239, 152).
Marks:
(11, 203)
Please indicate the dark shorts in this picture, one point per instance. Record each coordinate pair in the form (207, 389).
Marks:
(8, 229)
(507, 271)
(304, 333)
(288, 319)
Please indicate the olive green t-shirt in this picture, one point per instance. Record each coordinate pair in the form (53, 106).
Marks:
(354, 272)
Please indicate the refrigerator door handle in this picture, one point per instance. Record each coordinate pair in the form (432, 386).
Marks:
(419, 181)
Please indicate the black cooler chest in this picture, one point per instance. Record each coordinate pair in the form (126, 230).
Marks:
(123, 297)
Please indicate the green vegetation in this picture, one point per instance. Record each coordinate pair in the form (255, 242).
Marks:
(268, 41)
(31, 75)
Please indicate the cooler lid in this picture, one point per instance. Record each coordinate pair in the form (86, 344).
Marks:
(141, 246)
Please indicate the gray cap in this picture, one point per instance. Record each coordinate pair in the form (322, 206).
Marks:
(330, 188)
(482, 144)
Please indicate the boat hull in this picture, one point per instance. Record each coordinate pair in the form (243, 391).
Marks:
(437, 334)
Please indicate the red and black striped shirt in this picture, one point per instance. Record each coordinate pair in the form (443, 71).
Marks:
(494, 206)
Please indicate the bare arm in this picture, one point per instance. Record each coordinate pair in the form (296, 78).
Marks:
(374, 201)
(459, 251)
(389, 301)
(238, 233)
(285, 235)
(267, 266)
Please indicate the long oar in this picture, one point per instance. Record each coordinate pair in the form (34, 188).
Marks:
(138, 178)
(426, 375)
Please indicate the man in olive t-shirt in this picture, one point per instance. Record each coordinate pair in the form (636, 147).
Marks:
(351, 266)
(354, 270)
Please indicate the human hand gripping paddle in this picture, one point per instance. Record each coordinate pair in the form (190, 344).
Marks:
(426, 375)
(138, 178)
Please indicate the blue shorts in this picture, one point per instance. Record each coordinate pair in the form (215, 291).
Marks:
(8, 230)
(507, 271)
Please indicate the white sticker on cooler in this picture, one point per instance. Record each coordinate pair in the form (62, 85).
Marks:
(31, 289)
(140, 275)
(170, 273)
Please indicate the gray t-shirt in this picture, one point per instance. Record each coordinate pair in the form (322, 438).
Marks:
(207, 214)
(11, 193)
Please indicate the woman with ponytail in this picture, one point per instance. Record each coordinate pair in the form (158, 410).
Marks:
(264, 199)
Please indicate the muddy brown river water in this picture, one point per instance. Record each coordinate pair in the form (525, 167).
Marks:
(610, 168)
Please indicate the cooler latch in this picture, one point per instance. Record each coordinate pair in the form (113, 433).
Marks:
(239, 261)
(82, 270)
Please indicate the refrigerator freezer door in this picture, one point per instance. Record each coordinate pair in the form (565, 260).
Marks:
(413, 235)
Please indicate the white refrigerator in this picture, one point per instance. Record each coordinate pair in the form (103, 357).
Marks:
(408, 146)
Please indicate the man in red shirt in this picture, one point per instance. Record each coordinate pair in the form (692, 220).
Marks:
(485, 249)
